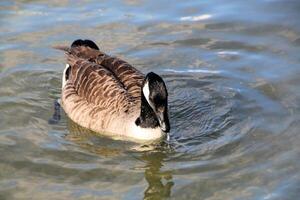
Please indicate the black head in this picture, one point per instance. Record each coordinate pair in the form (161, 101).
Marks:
(156, 94)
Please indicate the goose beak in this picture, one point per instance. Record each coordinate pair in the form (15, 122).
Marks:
(163, 120)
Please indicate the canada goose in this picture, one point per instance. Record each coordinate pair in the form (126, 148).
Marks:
(109, 96)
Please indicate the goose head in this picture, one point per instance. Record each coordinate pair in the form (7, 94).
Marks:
(154, 103)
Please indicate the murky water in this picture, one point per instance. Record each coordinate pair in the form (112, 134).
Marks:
(233, 73)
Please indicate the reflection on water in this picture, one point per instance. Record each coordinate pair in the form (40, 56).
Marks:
(232, 70)
(87, 140)
(159, 182)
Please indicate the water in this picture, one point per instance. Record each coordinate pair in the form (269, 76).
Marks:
(232, 69)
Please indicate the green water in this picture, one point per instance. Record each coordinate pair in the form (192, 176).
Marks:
(232, 70)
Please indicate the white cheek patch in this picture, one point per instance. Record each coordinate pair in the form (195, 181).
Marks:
(146, 92)
(64, 81)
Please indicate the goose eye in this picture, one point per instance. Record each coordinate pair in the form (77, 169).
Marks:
(158, 100)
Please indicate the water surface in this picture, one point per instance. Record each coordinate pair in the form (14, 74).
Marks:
(232, 70)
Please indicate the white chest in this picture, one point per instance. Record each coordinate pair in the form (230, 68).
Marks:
(145, 134)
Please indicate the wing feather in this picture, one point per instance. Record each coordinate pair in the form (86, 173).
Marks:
(94, 86)
(128, 76)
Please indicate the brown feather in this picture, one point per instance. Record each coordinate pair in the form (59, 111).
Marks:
(126, 74)
(100, 90)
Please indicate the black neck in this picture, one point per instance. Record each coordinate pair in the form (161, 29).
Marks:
(147, 118)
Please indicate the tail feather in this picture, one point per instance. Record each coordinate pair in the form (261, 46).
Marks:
(79, 49)
(87, 43)
(62, 48)
(77, 43)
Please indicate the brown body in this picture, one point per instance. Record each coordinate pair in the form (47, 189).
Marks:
(103, 93)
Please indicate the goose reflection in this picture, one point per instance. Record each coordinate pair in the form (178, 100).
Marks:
(159, 182)
(90, 141)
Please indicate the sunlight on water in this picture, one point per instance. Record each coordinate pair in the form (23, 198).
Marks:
(196, 18)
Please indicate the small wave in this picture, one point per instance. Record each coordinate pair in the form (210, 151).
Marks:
(194, 71)
(196, 18)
